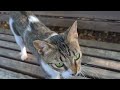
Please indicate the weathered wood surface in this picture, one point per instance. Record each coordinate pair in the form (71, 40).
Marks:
(88, 43)
(100, 45)
(15, 55)
(114, 15)
(86, 59)
(86, 50)
(22, 67)
(5, 31)
(101, 53)
(106, 61)
(100, 59)
(7, 37)
(10, 60)
(82, 24)
(110, 22)
(6, 74)
(100, 73)
(94, 60)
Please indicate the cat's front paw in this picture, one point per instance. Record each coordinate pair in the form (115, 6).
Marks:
(24, 57)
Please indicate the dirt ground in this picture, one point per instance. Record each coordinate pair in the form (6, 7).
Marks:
(111, 37)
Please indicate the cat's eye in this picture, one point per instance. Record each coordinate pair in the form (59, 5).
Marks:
(59, 65)
(77, 56)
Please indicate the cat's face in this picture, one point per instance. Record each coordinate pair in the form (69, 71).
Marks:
(62, 52)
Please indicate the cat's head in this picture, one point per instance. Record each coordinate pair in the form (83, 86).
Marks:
(62, 52)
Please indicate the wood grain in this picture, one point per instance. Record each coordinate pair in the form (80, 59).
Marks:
(85, 23)
(6, 74)
(99, 73)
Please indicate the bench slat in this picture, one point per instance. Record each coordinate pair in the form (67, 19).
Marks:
(5, 31)
(114, 15)
(86, 59)
(82, 24)
(21, 67)
(104, 63)
(40, 73)
(16, 55)
(100, 73)
(91, 25)
(101, 53)
(86, 50)
(88, 14)
(18, 65)
(99, 44)
(6, 74)
(88, 43)
(7, 37)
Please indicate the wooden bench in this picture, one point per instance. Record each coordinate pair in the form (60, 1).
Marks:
(100, 60)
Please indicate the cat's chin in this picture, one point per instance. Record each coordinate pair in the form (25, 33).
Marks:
(56, 77)
(66, 74)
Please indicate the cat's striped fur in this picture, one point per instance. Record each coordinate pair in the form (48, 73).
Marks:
(58, 54)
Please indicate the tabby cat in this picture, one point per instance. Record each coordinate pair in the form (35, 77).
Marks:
(58, 54)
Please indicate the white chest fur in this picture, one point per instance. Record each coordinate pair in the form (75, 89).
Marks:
(54, 74)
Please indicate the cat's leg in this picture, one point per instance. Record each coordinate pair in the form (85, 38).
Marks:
(19, 40)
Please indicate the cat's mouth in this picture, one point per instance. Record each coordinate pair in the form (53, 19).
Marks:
(69, 74)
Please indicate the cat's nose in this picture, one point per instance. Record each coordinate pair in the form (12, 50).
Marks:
(74, 70)
(74, 74)
(77, 74)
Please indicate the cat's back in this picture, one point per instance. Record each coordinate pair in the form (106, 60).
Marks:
(20, 20)
(15, 14)
(23, 19)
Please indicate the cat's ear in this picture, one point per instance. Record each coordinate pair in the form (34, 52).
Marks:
(72, 34)
(42, 47)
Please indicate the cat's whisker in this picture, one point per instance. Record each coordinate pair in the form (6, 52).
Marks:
(97, 75)
(82, 73)
(93, 76)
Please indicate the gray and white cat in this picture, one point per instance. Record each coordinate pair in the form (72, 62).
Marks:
(58, 54)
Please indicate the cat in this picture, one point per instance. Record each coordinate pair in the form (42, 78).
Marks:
(58, 54)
